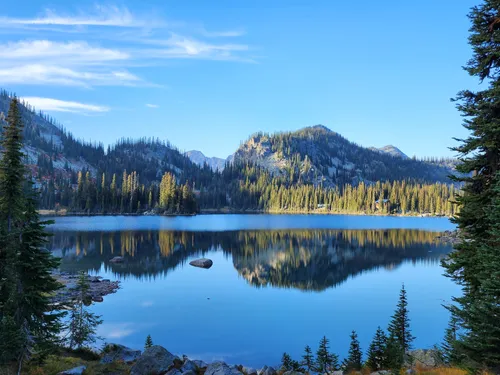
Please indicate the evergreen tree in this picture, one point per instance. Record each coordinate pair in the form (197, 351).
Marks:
(394, 355)
(353, 361)
(83, 323)
(149, 342)
(286, 362)
(28, 327)
(376, 351)
(474, 257)
(449, 347)
(326, 361)
(399, 327)
(308, 359)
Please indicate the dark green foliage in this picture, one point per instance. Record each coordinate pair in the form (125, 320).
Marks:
(242, 185)
(149, 342)
(449, 348)
(377, 351)
(394, 355)
(286, 362)
(354, 359)
(308, 359)
(28, 326)
(83, 323)
(399, 326)
(475, 263)
(326, 361)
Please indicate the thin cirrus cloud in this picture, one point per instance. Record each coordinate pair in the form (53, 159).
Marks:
(111, 41)
(107, 16)
(79, 52)
(49, 104)
(39, 74)
(152, 105)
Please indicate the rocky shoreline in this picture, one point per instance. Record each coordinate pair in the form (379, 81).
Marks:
(98, 288)
(449, 236)
(157, 360)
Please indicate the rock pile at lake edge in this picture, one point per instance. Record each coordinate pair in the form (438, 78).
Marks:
(98, 288)
(158, 360)
(449, 236)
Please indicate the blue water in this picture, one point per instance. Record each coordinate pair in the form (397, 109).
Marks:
(278, 282)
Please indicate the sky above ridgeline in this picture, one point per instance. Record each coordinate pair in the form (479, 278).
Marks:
(207, 74)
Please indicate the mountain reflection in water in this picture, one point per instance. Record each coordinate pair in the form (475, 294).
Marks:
(310, 260)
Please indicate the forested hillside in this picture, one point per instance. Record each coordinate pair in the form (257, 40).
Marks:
(311, 170)
(320, 156)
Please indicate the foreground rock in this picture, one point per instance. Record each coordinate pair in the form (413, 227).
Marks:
(189, 366)
(74, 371)
(267, 371)
(424, 358)
(221, 368)
(116, 352)
(202, 263)
(249, 370)
(98, 288)
(155, 360)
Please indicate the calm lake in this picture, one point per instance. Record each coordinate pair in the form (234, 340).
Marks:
(278, 282)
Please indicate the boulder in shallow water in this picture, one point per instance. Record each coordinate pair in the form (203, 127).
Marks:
(117, 352)
(74, 371)
(221, 368)
(116, 259)
(154, 360)
(202, 263)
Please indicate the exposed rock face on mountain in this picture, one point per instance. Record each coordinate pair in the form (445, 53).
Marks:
(197, 157)
(320, 156)
(391, 150)
(43, 138)
(53, 152)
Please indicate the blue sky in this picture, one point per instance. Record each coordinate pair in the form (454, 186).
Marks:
(207, 74)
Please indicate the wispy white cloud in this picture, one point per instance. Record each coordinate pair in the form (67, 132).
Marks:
(40, 74)
(111, 16)
(223, 34)
(110, 42)
(49, 104)
(181, 47)
(152, 105)
(77, 52)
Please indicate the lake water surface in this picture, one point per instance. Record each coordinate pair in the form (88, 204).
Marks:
(278, 282)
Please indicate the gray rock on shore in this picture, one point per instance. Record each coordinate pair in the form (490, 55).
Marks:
(155, 360)
(202, 263)
(189, 366)
(249, 370)
(221, 368)
(117, 352)
(267, 370)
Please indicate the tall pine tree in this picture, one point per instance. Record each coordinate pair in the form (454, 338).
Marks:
(399, 327)
(354, 358)
(28, 327)
(376, 352)
(477, 254)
